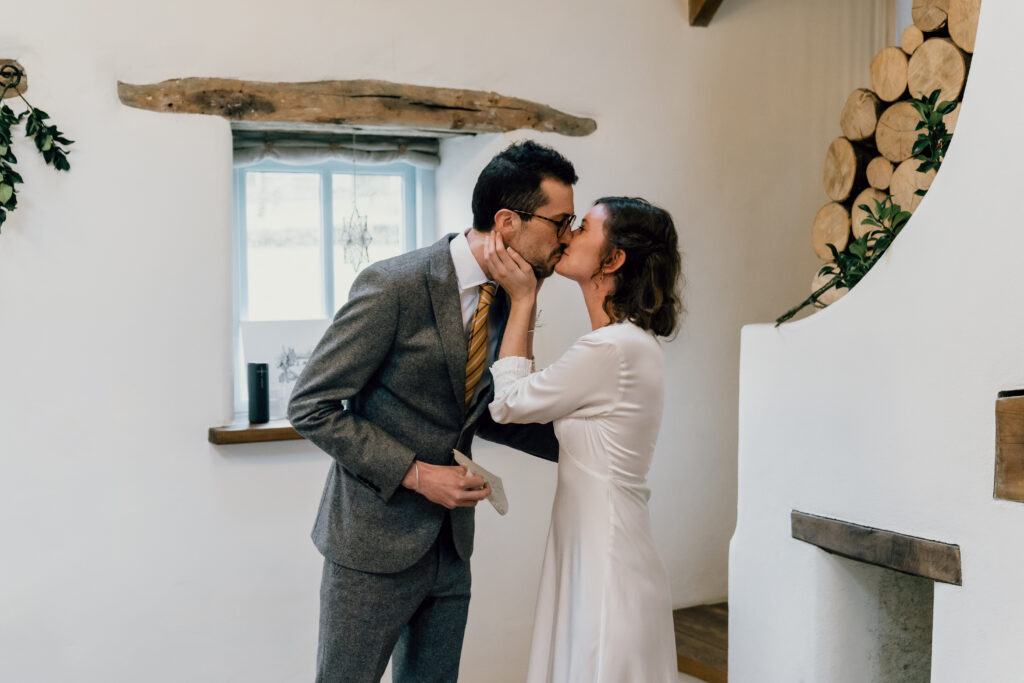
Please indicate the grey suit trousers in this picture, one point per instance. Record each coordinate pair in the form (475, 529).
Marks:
(423, 623)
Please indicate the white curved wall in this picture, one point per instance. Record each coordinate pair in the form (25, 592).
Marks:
(880, 410)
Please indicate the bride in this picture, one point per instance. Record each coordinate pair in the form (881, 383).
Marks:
(604, 610)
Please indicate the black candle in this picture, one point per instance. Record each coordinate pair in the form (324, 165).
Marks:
(259, 393)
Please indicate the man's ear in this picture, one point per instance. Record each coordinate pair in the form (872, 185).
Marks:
(614, 262)
(505, 223)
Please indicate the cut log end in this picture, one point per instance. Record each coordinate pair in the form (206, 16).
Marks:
(860, 115)
(963, 22)
(930, 15)
(911, 39)
(845, 169)
(937, 65)
(879, 173)
(906, 181)
(889, 73)
(831, 226)
(897, 131)
(857, 215)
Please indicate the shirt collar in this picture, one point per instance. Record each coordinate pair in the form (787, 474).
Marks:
(467, 271)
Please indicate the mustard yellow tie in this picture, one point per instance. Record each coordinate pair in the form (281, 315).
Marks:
(476, 347)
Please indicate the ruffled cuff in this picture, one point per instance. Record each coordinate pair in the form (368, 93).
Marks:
(506, 371)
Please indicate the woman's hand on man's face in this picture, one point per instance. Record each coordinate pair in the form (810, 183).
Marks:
(509, 269)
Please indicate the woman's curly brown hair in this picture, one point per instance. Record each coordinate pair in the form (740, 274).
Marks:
(647, 284)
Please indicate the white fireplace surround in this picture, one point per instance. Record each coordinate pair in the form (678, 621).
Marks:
(880, 410)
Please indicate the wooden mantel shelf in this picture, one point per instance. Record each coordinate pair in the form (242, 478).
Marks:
(244, 432)
(908, 554)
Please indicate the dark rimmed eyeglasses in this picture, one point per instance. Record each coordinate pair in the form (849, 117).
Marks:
(560, 226)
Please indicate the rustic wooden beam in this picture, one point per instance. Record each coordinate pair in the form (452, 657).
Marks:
(361, 102)
(908, 554)
(1009, 478)
(702, 11)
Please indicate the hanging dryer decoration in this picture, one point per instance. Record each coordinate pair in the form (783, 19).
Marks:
(355, 235)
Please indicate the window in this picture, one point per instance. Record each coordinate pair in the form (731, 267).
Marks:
(293, 269)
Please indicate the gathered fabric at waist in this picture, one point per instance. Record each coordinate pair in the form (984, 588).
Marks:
(636, 486)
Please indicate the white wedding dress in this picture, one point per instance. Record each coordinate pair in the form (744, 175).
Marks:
(604, 611)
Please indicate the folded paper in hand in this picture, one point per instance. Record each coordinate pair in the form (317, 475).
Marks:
(497, 497)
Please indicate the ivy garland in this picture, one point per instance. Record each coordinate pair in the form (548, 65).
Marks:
(48, 140)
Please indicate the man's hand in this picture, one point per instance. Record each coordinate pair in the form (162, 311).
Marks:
(449, 486)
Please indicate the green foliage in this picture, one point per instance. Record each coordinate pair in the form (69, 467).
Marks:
(48, 140)
(8, 176)
(860, 255)
(854, 262)
(887, 218)
(933, 141)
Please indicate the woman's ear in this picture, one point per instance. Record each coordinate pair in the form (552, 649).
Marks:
(613, 262)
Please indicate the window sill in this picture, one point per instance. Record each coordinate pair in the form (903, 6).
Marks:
(244, 432)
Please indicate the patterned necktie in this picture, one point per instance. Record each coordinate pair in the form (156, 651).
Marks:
(476, 347)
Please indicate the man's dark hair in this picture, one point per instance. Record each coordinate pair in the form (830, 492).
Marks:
(512, 181)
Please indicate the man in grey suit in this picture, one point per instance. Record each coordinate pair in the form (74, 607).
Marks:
(396, 383)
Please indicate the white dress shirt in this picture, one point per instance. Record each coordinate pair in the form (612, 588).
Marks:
(469, 274)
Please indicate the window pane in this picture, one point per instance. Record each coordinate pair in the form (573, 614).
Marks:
(283, 236)
(380, 199)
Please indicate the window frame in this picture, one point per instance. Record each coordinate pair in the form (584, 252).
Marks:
(419, 197)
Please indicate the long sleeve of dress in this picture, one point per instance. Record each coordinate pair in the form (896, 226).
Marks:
(584, 382)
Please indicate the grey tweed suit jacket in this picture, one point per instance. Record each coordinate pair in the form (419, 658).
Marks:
(384, 386)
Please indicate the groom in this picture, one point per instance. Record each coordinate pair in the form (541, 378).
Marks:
(398, 381)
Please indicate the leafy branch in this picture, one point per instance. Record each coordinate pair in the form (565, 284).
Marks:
(854, 262)
(864, 252)
(48, 140)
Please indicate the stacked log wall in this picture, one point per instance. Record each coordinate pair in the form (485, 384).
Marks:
(874, 158)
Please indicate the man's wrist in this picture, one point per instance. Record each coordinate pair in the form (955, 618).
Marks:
(411, 480)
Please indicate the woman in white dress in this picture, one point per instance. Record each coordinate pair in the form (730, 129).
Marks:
(604, 611)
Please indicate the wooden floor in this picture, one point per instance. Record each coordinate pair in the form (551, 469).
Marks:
(702, 641)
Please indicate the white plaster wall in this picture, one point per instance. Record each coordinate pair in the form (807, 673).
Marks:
(130, 549)
(880, 410)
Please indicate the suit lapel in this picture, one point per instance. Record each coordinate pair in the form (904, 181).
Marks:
(444, 297)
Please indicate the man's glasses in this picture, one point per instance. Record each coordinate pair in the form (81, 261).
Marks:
(560, 226)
